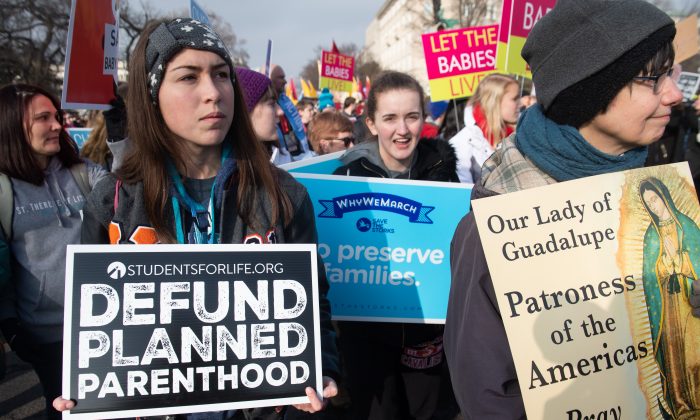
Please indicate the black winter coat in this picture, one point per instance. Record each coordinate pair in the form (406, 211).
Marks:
(436, 161)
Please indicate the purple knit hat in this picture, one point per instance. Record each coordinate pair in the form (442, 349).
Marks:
(253, 84)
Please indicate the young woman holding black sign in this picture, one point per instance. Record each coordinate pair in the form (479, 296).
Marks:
(196, 174)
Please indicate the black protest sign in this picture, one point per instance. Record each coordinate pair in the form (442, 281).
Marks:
(169, 329)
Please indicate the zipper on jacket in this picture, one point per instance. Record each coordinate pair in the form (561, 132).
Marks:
(362, 162)
(435, 165)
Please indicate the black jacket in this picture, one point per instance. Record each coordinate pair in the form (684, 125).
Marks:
(130, 225)
(435, 161)
(476, 345)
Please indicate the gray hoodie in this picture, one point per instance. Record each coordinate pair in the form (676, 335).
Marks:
(46, 218)
(370, 151)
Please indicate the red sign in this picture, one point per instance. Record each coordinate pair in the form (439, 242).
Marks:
(91, 67)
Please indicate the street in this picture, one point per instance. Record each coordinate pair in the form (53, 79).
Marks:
(20, 392)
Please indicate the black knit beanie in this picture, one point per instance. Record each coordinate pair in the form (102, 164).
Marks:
(582, 101)
(584, 52)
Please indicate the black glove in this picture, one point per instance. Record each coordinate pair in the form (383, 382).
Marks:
(115, 119)
(17, 340)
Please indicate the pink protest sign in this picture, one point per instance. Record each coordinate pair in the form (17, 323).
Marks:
(336, 71)
(527, 13)
(457, 59)
(517, 20)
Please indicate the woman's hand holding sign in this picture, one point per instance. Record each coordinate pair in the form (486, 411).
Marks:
(61, 404)
(330, 390)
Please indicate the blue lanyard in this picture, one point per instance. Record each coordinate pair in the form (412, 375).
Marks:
(203, 218)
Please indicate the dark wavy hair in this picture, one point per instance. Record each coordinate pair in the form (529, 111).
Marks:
(152, 142)
(17, 159)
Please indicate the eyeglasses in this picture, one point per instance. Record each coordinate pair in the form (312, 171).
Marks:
(346, 140)
(656, 81)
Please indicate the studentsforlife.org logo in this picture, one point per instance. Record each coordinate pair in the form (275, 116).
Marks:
(116, 270)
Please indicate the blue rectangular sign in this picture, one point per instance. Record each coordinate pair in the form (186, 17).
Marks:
(198, 13)
(386, 244)
(79, 135)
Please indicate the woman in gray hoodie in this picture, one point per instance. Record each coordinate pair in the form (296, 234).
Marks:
(42, 213)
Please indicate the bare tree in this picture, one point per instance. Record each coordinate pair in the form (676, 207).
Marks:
(472, 12)
(32, 40)
(33, 37)
(235, 45)
(132, 21)
(364, 64)
(310, 72)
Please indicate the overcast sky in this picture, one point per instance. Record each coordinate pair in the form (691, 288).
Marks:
(295, 27)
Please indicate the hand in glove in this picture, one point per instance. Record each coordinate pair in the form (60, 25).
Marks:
(115, 119)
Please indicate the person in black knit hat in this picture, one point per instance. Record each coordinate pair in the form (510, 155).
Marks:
(604, 76)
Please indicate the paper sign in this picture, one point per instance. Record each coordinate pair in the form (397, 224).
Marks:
(592, 279)
(386, 245)
(111, 51)
(336, 71)
(688, 83)
(172, 329)
(91, 67)
(517, 20)
(458, 59)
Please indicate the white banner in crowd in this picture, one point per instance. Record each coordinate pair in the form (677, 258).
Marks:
(592, 278)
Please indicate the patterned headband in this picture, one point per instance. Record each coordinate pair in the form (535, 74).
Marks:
(168, 39)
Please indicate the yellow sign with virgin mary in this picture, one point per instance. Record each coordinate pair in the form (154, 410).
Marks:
(593, 279)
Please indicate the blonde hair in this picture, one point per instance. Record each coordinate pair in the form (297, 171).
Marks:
(95, 148)
(488, 96)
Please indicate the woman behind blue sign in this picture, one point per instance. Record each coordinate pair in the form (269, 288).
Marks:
(40, 210)
(196, 173)
(393, 370)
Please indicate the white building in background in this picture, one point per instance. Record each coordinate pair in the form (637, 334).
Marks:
(393, 38)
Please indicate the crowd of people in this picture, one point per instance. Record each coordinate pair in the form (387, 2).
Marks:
(189, 154)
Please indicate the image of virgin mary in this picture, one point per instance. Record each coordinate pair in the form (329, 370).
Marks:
(671, 259)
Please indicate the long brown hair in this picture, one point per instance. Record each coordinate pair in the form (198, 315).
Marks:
(152, 142)
(16, 157)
